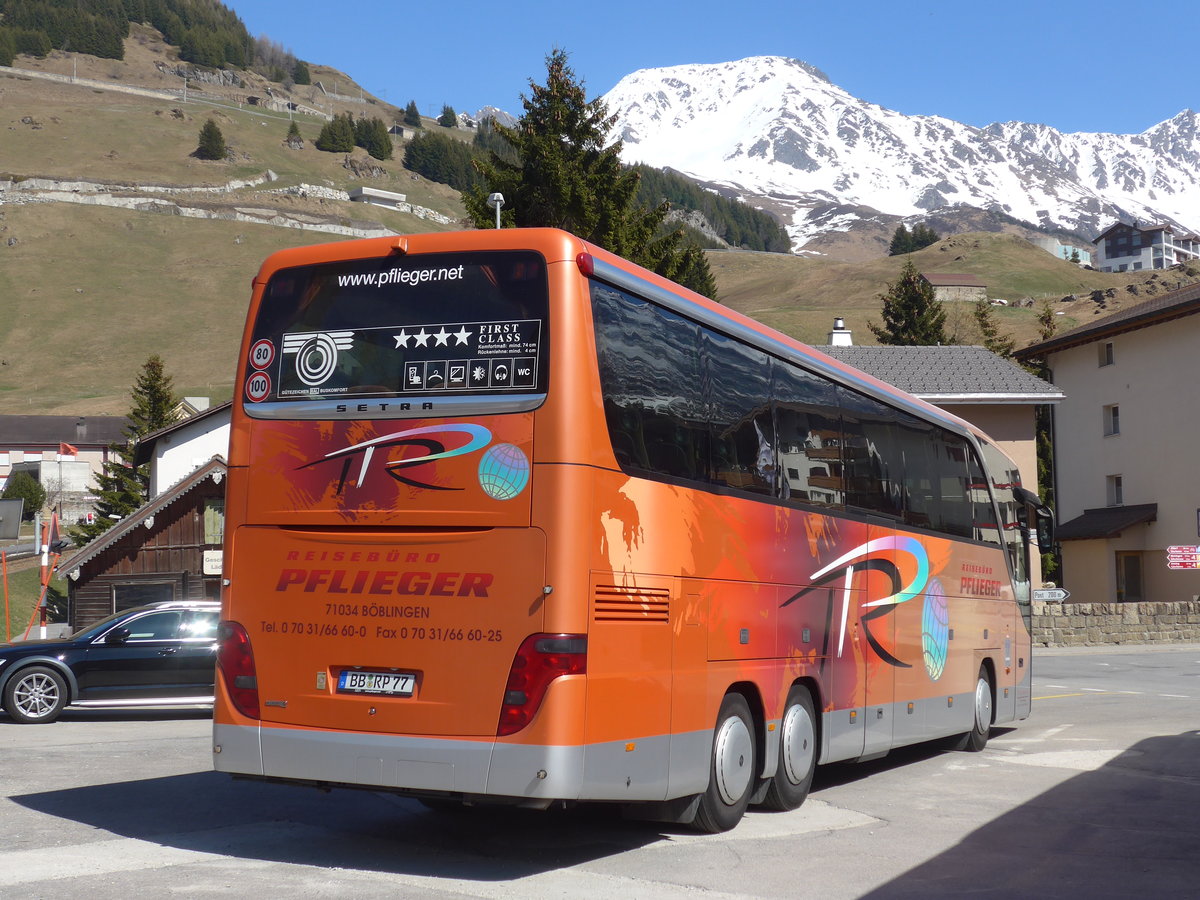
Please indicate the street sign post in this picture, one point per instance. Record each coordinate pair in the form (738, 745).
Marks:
(1055, 595)
(1183, 556)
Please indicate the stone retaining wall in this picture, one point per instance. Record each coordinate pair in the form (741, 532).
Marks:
(1083, 624)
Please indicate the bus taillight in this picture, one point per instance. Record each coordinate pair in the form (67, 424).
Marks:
(235, 660)
(540, 659)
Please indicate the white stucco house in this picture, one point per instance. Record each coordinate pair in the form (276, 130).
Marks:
(1125, 439)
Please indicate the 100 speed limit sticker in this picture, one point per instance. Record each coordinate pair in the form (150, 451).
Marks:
(258, 386)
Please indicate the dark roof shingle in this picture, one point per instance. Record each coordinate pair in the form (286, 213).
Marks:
(952, 371)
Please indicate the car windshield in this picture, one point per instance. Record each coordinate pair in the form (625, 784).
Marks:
(101, 626)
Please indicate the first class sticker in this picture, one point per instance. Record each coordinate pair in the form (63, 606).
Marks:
(258, 386)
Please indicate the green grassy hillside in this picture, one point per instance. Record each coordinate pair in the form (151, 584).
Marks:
(87, 293)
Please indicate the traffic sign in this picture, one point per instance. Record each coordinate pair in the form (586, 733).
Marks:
(1058, 595)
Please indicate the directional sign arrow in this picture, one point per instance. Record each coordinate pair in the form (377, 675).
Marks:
(1051, 594)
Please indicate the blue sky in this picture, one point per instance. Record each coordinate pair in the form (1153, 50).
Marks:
(1077, 66)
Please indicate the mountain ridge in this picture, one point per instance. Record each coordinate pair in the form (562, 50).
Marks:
(775, 128)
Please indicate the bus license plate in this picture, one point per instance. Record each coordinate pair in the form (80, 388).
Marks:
(398, 684)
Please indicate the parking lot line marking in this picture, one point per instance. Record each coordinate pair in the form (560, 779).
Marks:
(1077, 694)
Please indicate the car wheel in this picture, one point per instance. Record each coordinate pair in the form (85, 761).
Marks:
(797, 753)
(976, 739)
(734, 764)
(35, 695)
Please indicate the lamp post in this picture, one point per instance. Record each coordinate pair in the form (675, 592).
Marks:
(496, 201)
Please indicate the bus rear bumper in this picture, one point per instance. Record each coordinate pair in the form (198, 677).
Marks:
(403, 763)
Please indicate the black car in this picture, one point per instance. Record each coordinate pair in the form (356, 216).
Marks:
(163, 654)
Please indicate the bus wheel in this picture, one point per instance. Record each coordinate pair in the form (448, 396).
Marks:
(797, 753)
(976, 739)
(731, 773)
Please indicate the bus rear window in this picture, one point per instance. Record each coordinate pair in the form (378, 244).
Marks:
(422, 328)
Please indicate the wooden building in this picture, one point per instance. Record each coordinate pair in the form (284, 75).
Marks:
(169, 549)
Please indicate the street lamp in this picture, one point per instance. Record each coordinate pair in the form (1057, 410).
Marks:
(496, 201)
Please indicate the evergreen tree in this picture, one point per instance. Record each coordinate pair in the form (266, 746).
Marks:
(300, 73)
(1047, 321)
(212, 142)
(337, 136)
(120, 486)
(372, 135)
(912, 315)
(985, 318)
(23, 486)
(565, 176)
(923, 236)
(448, 118)
(8, 47)
(411, 116)
(902, 241)
(293, 135)
(439, 157)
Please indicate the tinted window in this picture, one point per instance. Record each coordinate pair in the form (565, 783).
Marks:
(156, 626)
(420, 326)
(873, 455)
(808, 437)
(737, 390)
(651, 372)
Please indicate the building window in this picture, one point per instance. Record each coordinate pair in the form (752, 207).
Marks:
(1107, 356)
(125, 596)
(1115, 490)
(1129, 577)
(214, 521)
(1112, 420)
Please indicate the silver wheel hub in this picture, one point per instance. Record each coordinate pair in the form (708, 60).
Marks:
(798, 744)
(983, 705)
(36, 695)
(734, 759)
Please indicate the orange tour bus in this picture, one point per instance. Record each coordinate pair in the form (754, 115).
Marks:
(511, 519)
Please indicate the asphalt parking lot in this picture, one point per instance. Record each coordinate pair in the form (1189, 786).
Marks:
(1096, 795)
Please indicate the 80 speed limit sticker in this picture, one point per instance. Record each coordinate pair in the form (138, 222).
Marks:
(258, 386)
(262, 354)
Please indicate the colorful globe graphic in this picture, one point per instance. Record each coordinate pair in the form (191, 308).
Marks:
(503, 471)
(935, 630)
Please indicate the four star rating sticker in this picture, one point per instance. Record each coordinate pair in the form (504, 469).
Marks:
(441, 338)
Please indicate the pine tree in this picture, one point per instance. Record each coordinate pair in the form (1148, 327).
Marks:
(293, 135)
(901, 241)
(411, 116)
(912, 315)
(565, 176)
(120, 486)
(300, 73)
(923, 236)
(212, 142)
(985, 318)
(372, 135)
(448, 118)
(337, 136)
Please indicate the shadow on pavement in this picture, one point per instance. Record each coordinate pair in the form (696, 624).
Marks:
(1127, 829)
(210, 812)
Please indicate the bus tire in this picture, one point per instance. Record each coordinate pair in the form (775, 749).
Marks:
(732, 770)
(797, 753)
(976, 739)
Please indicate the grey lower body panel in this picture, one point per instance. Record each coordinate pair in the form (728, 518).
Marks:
(855, 733)
(481, 768)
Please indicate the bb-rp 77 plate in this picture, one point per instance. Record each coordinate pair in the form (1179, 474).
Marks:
(394, 684)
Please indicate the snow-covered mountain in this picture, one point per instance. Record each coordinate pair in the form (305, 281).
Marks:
(778, 133)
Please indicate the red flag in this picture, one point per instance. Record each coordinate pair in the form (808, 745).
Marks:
(67, 450)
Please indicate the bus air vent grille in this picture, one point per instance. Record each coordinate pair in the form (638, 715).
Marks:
(631, 604)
